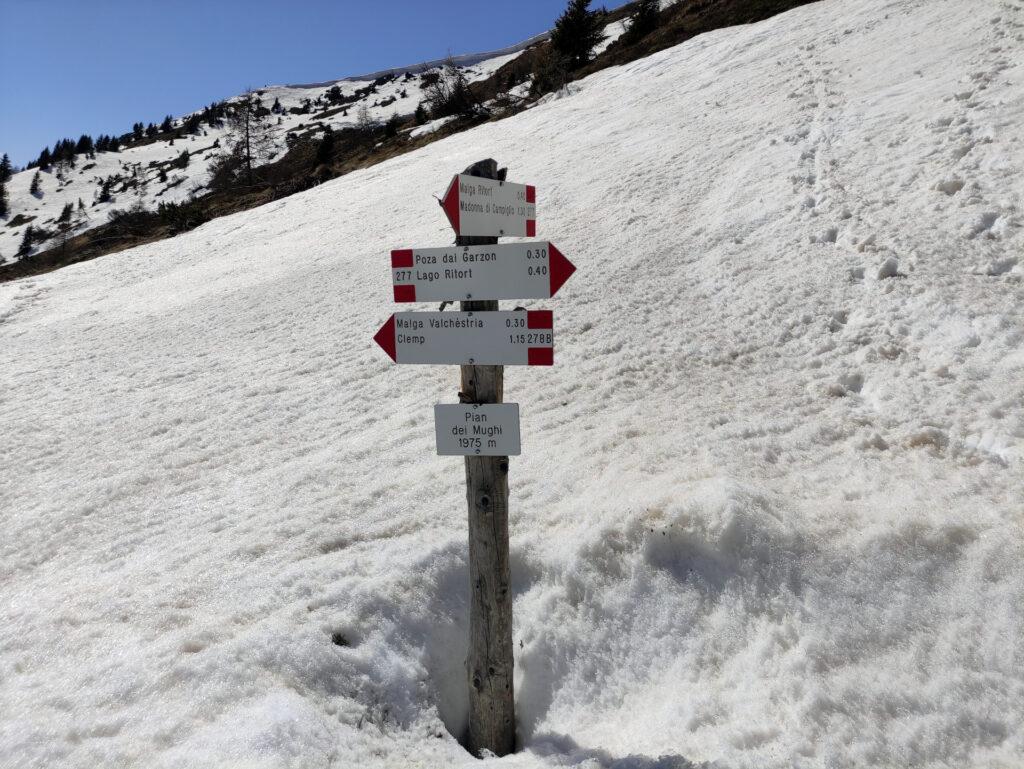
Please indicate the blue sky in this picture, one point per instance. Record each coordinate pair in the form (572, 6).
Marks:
(69, 67)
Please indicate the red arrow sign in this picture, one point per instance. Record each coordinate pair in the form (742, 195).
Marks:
(490, 208)
(530, 270)
(516, 337)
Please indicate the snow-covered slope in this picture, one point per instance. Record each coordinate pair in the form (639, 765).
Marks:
(769, 507)
(80, 185)
(399, 96)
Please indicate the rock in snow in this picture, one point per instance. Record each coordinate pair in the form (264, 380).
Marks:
(227, 540)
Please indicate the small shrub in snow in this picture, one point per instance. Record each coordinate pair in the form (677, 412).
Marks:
(450, 94)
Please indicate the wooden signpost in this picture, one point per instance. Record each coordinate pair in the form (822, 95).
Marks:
(481, 207)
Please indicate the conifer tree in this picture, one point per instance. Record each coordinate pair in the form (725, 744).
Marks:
(167, 125)
(644, 21)
(4, 209)
(33, 188)
(65, 225)
(421, 114)
(577, 31)
(325, 149)
(26, 242)
(84, 146)
(249, 129)
(5, 169)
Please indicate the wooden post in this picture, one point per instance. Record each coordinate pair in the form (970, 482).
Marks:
(491, 704)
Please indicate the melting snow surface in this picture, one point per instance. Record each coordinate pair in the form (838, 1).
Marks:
(769, 507)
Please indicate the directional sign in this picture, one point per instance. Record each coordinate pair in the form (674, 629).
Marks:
(518, 337)
(472, 429)
(490, 208)
(509, 271)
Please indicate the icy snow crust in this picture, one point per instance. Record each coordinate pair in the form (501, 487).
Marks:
(769, 507)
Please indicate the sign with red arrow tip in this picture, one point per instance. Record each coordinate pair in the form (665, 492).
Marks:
(490, 208)
(508, 271)
(516, 337)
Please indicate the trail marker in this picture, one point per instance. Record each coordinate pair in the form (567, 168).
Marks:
(533, 270)
(481, 206)
(477, 206)
(477, 429)
(513, 338)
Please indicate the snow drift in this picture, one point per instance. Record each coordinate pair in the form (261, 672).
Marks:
(768, 511)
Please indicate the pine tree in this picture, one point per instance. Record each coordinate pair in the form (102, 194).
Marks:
(85, 145)
(34, 186)
(4, 209)
(5, 169)
(167, 125)
(26, 242)
(105, 185)
(65, 225)
(44, 158)
(421, 114)
(364, 123)
(250, 133)
(577, 31)
(325, 149)
(644, 21)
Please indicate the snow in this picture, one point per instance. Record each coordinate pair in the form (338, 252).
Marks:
(768, 510)
(611, 32)
(430, 126)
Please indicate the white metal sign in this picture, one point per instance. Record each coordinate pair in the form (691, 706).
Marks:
(490, 208)
(533, 270)
(517, 337)
(470, 429)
